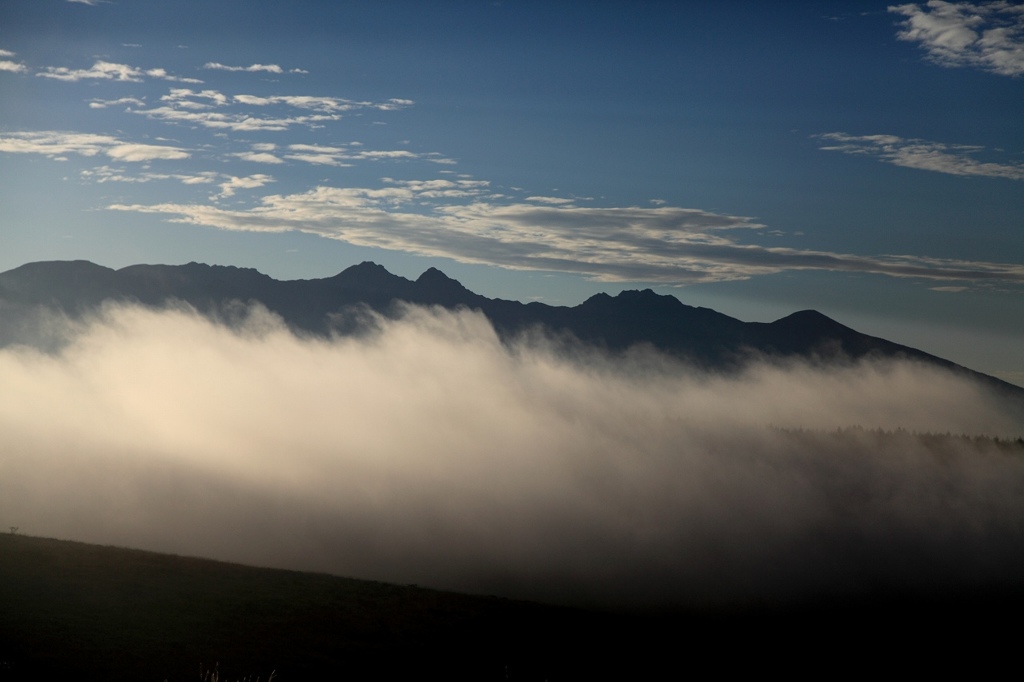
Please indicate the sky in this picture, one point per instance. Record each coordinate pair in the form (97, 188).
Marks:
(865, 160)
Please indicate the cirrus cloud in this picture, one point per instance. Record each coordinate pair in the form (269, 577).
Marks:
(213, 109)
(103, 174)
(258, 157)
(104, 103)
(663, 244)
(345, 155)
(252, 68)
(953, 159)
(55, 144)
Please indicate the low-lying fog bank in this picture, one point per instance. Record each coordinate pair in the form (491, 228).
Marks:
(430, 453)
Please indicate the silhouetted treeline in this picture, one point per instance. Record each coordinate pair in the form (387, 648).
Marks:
(887, 438)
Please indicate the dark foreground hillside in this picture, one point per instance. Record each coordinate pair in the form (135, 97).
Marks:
(81, 612)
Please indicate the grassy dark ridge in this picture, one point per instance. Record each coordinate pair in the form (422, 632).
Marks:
(82, 611)
(71, 611)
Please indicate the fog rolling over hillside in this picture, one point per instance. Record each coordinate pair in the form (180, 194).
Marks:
(431, 452)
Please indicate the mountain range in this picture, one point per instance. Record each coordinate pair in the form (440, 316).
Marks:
(702, 336)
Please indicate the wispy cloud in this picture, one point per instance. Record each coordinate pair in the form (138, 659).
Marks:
(233, 183)
(213, 109)
(229, 184)
(318, 154)
(124, 151)
(660, 244)
(260, 152)
(954, 159)
(103, 70)
(237, 122)
(120, 101)
(56, 144)
(323, 104)
(7, 65)
(554, 201)
(343, 156)
(259, 157)
(103, 174)
(252, 68)
(988, 36)
(436, 189)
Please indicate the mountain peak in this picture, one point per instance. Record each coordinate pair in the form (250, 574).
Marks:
(81, 281)
(809, 314)
(65, 267)
(597, 299)
(367, 266)
(368, 273)
(808, 320)
(643, 295)
(448, 291)
(434, 275)
(645, 299)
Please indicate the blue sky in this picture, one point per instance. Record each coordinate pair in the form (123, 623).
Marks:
(866, 160)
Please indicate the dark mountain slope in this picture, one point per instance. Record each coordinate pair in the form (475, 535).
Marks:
(795, 334)
(71, 285)
(72, 611)
(634, 317)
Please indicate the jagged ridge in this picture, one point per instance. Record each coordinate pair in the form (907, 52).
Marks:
(616, 323)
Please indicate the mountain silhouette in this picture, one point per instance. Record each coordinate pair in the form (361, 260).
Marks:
(614, 323)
